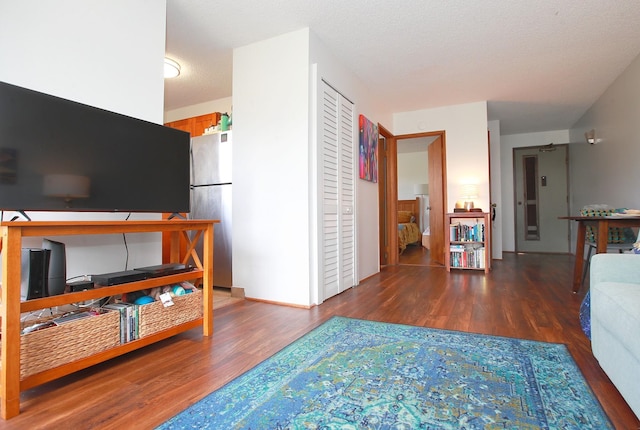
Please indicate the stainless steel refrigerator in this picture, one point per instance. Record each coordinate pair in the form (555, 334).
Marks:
(211, 197)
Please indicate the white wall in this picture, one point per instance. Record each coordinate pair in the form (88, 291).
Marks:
(496, 188)
(105, 54)
(507, 144)
(467, 148)
(219, 105)
(608, 173)
(413, 169)
(270, 169)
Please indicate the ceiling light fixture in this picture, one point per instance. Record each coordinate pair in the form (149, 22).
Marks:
(171, 68)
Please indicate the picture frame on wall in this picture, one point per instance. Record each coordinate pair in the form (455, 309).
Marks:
(368, 144)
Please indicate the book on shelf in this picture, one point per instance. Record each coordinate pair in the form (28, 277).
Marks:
(128, 320)
(467, 256)
(462, 232)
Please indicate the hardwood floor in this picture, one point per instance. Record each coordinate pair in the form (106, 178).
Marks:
(416, 255)
(525, 296)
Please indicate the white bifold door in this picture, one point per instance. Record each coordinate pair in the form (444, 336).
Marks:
(337, 193)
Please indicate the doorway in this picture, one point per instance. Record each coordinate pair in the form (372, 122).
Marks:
(391, 196)
(541, 187)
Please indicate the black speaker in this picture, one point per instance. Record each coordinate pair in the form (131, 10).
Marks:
(35, 273)
(57, 266)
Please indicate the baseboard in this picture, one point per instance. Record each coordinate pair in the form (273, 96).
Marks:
(272, 302)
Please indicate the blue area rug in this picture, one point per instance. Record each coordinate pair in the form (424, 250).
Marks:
(355, 374)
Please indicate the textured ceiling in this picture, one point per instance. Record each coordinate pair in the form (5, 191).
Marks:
(540, 64)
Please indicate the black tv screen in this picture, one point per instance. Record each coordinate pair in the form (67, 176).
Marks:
(60, 155)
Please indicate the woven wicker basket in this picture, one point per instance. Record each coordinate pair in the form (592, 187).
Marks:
(154, 317)
(54, 346)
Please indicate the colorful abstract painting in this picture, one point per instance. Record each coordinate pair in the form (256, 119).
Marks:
(368, 150)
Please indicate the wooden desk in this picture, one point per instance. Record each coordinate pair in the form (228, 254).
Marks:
(601, 224)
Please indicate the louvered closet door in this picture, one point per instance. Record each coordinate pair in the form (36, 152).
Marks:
(337, 193)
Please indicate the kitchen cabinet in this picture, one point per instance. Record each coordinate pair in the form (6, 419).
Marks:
(197, 124)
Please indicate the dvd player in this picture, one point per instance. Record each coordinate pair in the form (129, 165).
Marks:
(165, 269)
(116, 278)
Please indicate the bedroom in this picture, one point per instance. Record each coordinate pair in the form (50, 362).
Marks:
(413, 201)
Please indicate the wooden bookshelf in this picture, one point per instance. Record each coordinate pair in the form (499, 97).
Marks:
(11, 383)
(468, 241)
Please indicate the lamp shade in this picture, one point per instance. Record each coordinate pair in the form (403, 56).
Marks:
(421, 189)
(469, 191)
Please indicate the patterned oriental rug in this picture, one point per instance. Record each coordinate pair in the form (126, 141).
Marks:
(356, 374)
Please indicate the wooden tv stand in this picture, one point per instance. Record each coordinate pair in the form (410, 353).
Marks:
(11, 307)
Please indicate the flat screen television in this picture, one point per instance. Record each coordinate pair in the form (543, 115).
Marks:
(60, 155)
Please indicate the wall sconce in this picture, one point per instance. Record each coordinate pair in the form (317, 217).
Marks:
(68, 187)
(591, 137)
(470, 192)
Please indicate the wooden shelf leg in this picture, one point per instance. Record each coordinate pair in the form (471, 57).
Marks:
(10, 308)
(207, 281)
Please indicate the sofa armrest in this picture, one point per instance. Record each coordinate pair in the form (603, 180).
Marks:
(615, 268)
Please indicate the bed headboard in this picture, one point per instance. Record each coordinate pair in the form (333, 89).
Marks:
(409, 205)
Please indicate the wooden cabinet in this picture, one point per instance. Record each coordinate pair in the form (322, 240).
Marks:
(11, 382)
(197, 124)
(468, 241)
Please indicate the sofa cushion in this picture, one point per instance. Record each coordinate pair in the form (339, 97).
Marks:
(616, 306)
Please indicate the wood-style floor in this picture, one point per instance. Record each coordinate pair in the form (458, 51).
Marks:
(525, 296)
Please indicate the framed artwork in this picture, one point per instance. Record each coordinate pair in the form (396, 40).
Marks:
(368, 149)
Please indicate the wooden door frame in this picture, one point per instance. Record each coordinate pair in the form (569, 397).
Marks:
(391, 191)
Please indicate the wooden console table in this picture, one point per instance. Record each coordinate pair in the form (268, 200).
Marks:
(11, 307)
(601, 224)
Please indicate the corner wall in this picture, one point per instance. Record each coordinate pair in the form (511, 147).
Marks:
(274, 201)
(270, 169)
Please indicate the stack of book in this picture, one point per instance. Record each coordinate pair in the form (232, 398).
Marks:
(469, 256)
(459, 232)
(128, 320)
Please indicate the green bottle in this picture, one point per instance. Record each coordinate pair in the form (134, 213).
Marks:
(224, 122)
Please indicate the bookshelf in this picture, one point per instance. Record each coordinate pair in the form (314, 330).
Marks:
(468, 241)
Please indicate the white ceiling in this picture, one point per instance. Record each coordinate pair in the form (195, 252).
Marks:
(540, 64)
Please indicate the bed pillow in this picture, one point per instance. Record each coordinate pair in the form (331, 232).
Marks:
(404, 216)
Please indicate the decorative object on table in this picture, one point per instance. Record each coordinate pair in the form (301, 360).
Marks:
(368, 150)
(351, 373)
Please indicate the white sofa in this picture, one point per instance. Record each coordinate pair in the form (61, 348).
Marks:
(615, 321)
